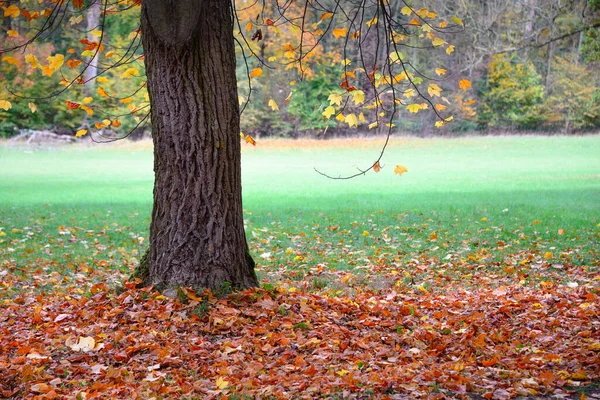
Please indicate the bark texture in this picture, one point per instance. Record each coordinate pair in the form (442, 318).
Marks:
(197, 233)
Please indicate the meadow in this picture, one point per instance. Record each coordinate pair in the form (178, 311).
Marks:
(477, 271)
(483, 198)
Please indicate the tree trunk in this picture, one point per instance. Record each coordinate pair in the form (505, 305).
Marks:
(197, 233)
(93, 22)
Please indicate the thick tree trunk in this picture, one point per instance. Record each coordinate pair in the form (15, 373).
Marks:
(197, 231)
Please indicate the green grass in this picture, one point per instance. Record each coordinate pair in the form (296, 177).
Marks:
(483, 200)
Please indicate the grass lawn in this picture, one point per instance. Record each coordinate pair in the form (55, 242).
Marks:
(477, 199)
(477, 271)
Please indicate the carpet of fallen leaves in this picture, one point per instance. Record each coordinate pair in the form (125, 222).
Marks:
(496, 341)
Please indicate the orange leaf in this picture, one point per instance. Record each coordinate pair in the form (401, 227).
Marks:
(464, 84)
(71, 105)
(256, 73)
(73, 63)
(376, 166)
(340, 32)
(250, 140)
(87, 110)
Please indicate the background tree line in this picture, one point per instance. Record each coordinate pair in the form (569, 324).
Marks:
(534, 65)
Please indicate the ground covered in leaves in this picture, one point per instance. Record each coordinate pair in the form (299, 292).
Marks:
(498, 339)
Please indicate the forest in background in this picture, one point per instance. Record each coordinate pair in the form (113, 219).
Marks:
(534, 66)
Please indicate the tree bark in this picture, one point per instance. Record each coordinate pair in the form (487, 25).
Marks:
(197, 233)
(93, 22)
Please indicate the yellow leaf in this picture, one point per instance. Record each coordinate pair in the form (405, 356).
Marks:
(548, 255)
(96, 33)
(273, 105)
(132, 35)
(129, 73)
(395, 56)
(457, 21)
(361, 117)
(373, 125)
(443, 24)
(126, 100)
(12, 33)
(366, 233)
(439, 124)
(406, 10)
(81, 132)
(440, 71)
(422, 12)
(464, 84)
(358, 96)
(249, 26)
(328, 112)
(335, 99)
(87, 100)
(438, 42)
(288, 98)
(102, 79)
(440, 107)
(372, 21)
(340, 32)
(340, 117)
(242, 136)
(256, 73)
(343, 371)
(56, 61)
(102, 92)
(32, 107)
(449, 49)
(32, 60)
(5, 104)
(88, 53)
(351, 120)
(413, 108)
(434, 90)
(110, 54)
(106, 122)
(12, 11)
(222, 383)
(250, 140)
(410, 93)
(11, 60)
(87, 109)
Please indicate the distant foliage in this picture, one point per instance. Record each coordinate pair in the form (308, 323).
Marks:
(514, 95)
(591, 45)
(574, 100)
